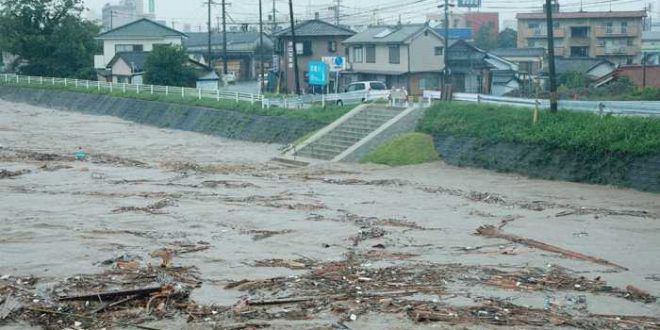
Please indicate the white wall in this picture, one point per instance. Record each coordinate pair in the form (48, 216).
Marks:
(382, 60)
(422, 53)
(147, 45)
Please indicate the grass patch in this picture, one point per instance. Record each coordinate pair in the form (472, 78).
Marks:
(316, 113)
(406, 149)
(568, 130)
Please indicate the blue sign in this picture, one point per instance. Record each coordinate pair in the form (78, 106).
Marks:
(318, 73)
(339, 61)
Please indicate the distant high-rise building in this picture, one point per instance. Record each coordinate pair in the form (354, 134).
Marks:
(115, 15)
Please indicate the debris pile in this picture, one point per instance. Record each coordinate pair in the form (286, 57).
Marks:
(9, 174)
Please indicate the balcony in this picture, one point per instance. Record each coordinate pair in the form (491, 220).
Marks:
(543, 33)
(623, 50)
(616, 31)
(99, 62)
(559, 51)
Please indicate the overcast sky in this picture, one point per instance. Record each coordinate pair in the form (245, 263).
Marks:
(355, 11)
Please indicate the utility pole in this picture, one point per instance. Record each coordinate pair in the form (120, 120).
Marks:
(337, 8)
(551, 56)
(208, 57)
(224, 37)
(261, 47)
(295, 48)
(643, 70)
(446, 71)
(112, 12)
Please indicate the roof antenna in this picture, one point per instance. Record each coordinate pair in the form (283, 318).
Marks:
(610, 5)
(582, 10)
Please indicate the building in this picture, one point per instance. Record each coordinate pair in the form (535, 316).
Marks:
(651, 47)
(530, 61)
(636, 74)
(478, 20)
(474, 70)
(125, 12)
(593, 69)
(409, 56)
(139, 36)
(243, 51)
(315, 39)
(615, 36)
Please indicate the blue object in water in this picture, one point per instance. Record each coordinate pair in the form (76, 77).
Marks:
(80, 155)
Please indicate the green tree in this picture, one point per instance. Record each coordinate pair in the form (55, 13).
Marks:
(573, 80)
(49, 36)
(168, 65)
(485, 38)
(508, 38)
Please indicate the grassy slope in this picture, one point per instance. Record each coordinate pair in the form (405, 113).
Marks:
(568, 130)
(316, 113)
(407, 149)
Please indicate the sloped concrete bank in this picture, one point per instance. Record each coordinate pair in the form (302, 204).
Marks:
(224, 123)
(638, 172)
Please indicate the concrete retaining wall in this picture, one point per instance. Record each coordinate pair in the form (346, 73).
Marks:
(639, 172)
(224, 123)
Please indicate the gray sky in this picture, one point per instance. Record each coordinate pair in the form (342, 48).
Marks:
(355, 11)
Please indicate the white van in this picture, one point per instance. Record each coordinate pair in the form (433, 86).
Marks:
(365, 91)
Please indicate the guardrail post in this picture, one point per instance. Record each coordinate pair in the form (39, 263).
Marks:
(152, 89)
(137, 89)
(167, 90)
(65, 84)
(601, 108)
(52, 79)
(111, 84)
(323, 100)
(28, 80)
(98, 86)
(76, 82)
(199, 93)
(123, 88)
(252, 98)
(41, 80)
(478, 98)
(535, 118)
(217, 94)
(183, 92)
(87, 84)
(236, 97)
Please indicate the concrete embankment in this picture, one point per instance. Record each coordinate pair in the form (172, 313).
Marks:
(638, 172)
(224, 123)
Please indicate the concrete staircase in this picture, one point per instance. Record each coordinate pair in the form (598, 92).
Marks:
(348, 133)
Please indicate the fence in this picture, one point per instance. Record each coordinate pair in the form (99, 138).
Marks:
(101, 86)
(643, 108)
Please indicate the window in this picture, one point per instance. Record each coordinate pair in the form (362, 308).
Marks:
(332, 46)
(355, 87)
(358, 54)
(608, 27)
(395, 54)
(579, 51)
(624, 27)
(580, 32)
(371, 53)
(438, 51)
(378, 86)
(525, 67)
(128, 48)
(629, 43)
(530, 43)
(601, 42)
(533, 26)
(304, 48)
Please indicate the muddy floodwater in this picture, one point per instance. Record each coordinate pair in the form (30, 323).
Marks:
(219, 236)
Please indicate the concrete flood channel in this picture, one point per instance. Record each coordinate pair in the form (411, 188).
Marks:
(166, 229)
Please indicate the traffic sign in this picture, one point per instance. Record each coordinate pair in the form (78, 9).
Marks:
(318, 73)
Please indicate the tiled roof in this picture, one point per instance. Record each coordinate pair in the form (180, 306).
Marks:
(518, 52)
(236, 41)
(585, 14)
(134, 59)
(316, 28)
(141, 28)
(387, 34)
(583, 65)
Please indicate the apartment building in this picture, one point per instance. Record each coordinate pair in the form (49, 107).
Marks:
(615, 36)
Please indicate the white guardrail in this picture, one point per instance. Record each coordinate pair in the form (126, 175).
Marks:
(289, 102)
(641, 108)
(184, 92)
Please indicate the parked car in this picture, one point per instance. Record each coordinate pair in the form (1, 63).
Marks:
(365, 91)
(229, 78)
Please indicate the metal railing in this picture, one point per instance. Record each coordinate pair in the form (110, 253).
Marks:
(125, 88)
(642, 108)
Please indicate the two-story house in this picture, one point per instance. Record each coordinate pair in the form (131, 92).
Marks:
(613, 35)
(315, 39)
(125, 48)
(405, 56)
